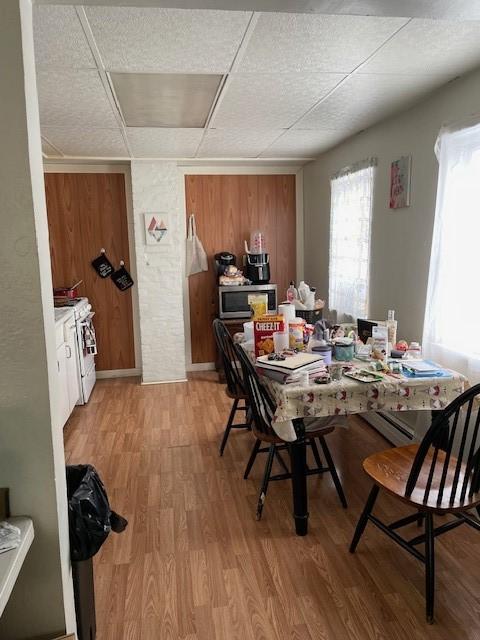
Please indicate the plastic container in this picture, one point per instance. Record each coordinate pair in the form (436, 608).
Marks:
(280, 341)
(414, 351)
(325, 351)
(295, 332)
(248, 331)
(344, 352)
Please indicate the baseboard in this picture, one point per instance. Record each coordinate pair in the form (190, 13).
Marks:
(201, 366)
(118, 373)
(164, 382)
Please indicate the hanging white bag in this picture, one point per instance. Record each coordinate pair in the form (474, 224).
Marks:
(195, 254)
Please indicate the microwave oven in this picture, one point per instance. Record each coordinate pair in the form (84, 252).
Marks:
(233, 300)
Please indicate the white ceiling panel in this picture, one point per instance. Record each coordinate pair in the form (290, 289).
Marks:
(436, 47)
(86, 142)
(163, 143)
(167, 40)
(235, 143)
(73, 98)
(299, 42)
(271, 101)
(365, 99)
(297, 143)
(59, 38)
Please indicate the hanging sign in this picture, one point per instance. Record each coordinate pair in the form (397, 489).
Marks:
(122, 279)
(102, 265)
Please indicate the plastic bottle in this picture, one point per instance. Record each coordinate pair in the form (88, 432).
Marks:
(292, 293)
(391, 330)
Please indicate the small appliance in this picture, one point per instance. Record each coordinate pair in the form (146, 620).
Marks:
(223, 260)
(233, 301)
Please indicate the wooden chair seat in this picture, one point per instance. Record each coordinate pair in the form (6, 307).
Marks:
(390, 470)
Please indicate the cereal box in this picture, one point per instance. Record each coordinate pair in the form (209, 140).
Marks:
(264, 329)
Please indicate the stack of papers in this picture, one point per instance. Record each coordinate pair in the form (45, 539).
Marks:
(10, 536)
(423, 369)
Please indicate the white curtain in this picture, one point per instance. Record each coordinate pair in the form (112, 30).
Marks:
(350, 230)
(452, 316)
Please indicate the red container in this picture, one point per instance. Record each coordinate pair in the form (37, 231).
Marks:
(67, 292)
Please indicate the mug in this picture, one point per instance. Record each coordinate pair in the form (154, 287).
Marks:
(335, 371)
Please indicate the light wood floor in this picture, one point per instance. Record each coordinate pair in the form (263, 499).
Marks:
(195, 565)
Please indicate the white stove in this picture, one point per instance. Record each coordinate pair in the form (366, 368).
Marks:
(86, 346)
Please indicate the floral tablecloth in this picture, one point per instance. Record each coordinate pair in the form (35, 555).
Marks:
(349, 396)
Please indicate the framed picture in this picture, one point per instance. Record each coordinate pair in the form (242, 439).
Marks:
(400, 178)
(157, 229)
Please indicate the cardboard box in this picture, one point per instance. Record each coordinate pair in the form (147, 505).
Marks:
(263, 330)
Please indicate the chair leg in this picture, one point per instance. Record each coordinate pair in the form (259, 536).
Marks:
(362, 522)
(429, 566)
(421, 516)
(333, 471)
(231, 418)
(281, 461)
(266, 478)
(316, 455)
(251, 460)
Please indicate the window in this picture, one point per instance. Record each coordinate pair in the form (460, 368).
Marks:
(452, 316)
(350, 223)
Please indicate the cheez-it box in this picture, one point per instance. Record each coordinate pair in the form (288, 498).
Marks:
(263, 329)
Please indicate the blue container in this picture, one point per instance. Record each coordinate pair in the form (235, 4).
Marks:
(344, 353)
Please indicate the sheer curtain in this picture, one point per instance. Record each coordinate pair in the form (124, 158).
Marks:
(452, 316)
(350, 225)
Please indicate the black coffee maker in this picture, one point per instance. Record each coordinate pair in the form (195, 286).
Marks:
(223, 260)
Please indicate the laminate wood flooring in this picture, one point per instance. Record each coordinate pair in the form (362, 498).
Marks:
(194, 564)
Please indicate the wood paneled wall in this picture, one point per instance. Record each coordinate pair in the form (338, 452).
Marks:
(227, 209)
(87, 211)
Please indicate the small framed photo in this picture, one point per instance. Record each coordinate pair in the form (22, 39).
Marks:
(157, 229)
(400, 179)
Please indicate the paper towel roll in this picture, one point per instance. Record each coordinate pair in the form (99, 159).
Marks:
(287, 311)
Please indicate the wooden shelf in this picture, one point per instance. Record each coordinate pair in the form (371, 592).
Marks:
(11, 561)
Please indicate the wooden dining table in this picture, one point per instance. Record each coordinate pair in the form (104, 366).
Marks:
(345, 397)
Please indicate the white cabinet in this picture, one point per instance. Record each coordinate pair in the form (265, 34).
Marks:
(67, 388)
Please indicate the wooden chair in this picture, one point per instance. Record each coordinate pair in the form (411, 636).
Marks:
(263, 408)
(233, 376)
(441, 475)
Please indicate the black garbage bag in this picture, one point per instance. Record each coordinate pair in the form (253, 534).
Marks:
(89, 515)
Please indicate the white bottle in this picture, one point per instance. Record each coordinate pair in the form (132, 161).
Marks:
(292, 293)
(391, 330)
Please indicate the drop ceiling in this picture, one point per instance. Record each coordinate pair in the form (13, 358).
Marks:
(282, 85)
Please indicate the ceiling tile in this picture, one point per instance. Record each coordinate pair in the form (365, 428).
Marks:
(167, 40)
(49, 150)
(268, 101)
(59, 38)
(440, 47)
(73, 98)
(305, 42)
(235, 143)
(163, 143)
(296, 143)
(85, 142)
(364, 99)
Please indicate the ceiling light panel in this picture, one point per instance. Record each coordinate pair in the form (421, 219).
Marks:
(364, 99)
(304, 42)
(270, 101)
(165, 99)
(87, 143)
(73, 98)
(59, 38)
(167, 40)
(235, 143)
(437, 47)
(164, 143)
(296, 143)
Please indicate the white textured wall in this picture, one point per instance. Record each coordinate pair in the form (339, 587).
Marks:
(401, 239)
(160, 279)
(31, 449)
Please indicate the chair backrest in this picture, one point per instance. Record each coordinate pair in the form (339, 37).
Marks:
(261, 404)
(233, 371)
(450, 451)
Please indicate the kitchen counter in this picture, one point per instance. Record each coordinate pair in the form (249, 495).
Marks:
(11, 561)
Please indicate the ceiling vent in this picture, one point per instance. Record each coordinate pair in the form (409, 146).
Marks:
(176, 100)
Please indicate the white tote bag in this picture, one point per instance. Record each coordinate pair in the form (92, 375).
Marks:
(196, 256)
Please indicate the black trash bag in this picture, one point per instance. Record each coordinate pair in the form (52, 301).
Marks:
(89, 515)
